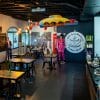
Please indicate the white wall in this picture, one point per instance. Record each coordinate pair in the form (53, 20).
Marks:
(7, 21)
(42, 30)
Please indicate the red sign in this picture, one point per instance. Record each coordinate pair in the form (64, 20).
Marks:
(54, 43)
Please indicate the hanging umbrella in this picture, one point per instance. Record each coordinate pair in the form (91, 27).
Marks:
(54, 20)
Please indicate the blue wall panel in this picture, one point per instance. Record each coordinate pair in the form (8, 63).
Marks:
(82, 27)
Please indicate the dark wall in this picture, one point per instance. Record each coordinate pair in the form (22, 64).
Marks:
(82, 27)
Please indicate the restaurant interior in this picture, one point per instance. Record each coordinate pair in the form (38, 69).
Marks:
(49, 50)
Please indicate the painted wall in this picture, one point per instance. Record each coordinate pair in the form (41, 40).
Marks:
(7, 21)
(42, 30)
(82, 27)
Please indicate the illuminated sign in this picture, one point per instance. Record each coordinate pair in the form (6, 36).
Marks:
(75, 42)
(38, 9)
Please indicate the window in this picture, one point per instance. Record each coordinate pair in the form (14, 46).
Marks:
(25, 38)
(13, 36)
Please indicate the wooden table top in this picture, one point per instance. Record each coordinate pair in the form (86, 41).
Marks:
(50, 55)
(36, 49)
(14, 75)
(18, 54)
(22, 60)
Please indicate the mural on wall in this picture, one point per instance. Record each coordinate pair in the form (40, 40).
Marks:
(46, 37)
(37, 40)
(2, 41)
(75, 42)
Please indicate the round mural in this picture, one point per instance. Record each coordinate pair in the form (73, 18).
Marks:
(75, 42)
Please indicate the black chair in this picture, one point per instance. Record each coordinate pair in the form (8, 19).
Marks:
(46, 61)
(4, 89)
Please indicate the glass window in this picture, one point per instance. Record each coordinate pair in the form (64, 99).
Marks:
(24, 38)
(12, 34)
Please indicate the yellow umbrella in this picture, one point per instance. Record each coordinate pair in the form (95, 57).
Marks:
(54, 20)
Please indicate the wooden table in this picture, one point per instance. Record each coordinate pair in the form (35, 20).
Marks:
(50, 55)
(12, 75)
(22, 61)
(18, 54)
(35, 49)
(15, 76)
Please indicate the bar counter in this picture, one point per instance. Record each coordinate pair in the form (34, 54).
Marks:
(93, 81)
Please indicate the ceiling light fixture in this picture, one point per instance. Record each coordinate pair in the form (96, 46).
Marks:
(38, 9)
(37, 3)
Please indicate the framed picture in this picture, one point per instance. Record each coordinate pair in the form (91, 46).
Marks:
(2, 42)
(0, 29)
(47, 35)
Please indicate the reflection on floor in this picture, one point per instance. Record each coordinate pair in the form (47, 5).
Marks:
(65, 83)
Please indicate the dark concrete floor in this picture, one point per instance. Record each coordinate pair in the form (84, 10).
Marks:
(65, 83)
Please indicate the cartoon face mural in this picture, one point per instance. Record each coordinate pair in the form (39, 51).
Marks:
(75, 42)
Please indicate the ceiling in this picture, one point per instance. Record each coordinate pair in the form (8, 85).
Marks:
(92, 7)
(22, 9)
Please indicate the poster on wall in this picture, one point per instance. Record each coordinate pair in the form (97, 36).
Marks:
(2, 41)
(34, 39)
(46, 37)
(39, 40)
(75, 42)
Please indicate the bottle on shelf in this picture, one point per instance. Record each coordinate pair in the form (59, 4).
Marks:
(88, 57)
(96, 61)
